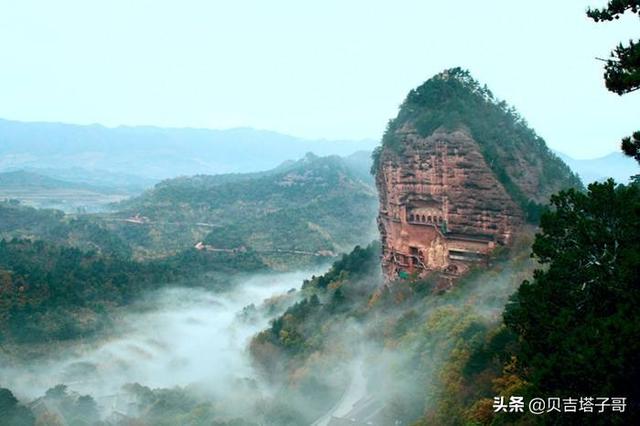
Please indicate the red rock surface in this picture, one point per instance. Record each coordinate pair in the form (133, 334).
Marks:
(441, 206)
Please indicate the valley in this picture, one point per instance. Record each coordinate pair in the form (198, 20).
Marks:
(161, 332)
(329, 213)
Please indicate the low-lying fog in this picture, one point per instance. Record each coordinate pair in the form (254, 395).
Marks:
(175, 337)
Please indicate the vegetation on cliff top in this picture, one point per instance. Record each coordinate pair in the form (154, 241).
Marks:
(454, 100)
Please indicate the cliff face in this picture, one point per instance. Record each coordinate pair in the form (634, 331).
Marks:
(441, 206)
(451, 188)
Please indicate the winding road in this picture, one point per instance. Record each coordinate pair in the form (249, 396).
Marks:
(355, 407)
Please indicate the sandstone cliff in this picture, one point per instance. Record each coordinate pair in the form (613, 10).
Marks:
(457, 174)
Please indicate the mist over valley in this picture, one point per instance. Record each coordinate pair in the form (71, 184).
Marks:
(412, 243)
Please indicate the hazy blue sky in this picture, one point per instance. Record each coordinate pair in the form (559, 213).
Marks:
(330, 68)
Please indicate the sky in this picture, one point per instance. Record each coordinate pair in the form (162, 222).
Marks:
(334, 69)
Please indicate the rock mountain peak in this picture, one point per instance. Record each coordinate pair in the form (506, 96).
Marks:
(458, 173)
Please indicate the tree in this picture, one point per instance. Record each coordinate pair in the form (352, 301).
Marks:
(87, 408)
(11, 413)
(631, 146)
(57, 392)
(578, 322)
(622, 69)
(8, 402)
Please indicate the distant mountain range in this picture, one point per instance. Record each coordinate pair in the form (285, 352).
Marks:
(153, 152)
(131, 159)
(24, 179)
(615, 165)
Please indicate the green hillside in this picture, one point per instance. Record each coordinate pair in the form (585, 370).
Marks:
(555, 315)
(79, 231)
(316, 205)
